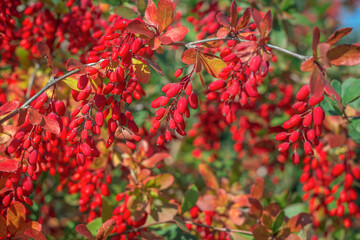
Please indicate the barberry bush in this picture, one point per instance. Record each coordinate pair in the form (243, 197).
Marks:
(178, 120)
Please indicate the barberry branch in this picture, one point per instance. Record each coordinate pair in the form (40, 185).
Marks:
(53, 80)
(296, 55)
(50, 83)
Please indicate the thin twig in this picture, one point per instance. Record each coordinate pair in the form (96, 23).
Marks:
(49, 84)
(298, 56)
(31, 81)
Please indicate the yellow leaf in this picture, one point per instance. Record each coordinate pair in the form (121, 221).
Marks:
(141, 70)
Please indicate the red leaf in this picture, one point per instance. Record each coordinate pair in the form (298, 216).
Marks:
(344, 55)
(44, 51)
(22, 116)
(255, 207)
(257, 18)
(8, 165)
(337, 35)
(258, 188)
(9, 107)
(3, 230)
(164, 14)
(15, 217)
(84, 231)
(223, 19)
(138, 27)
(266, 24)
(315, 41)
(34, 116)
(209, 177)
(308, 65)
(174, 35)
(72, 64)
(244, 20)
(155, 159)
(233, 13)
(189, 56)
(150, 13)
(35, 234)
(323, 49)
(299, 221)
(105, 229)
(317, 82)
(155, 43)
(50, 125)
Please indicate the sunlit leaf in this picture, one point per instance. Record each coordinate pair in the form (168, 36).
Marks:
(164, 14)
(344, 55)
(141, 70)
(212, 64)
(15, 218)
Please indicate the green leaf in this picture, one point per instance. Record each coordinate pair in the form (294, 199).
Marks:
(141, 5)
(350, 90)
(106, 209)
(278, 221)
(295, 209)
(113, 3)
(354, 129)
(330, 107)
(174, 232)
(337, 86)
(300, 18)
(125, 12)
(23, 57)
(94, 225)
(190, 199)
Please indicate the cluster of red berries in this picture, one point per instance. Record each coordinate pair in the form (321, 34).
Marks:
(305, 125)
(323, 190)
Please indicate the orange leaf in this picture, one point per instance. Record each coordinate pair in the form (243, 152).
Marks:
(258, 188)
(212, 64)
(8, 165)
(189, 56)
(209, 177)
(105, 229)
(138, 27)
(337, 35)
(222, 32)
(315, 41)
(308, 65)
(22, 116)
(164, 14)
(155, 43)
(155, 159)
(244, 20)
(162, 181)
(15, 217)
(9, 107)
(317, 82)
(150, 13)
(344, 55)
(84, 231)
(34, 116)
(207, 203)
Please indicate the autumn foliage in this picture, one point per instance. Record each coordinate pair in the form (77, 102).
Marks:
(178, 120)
